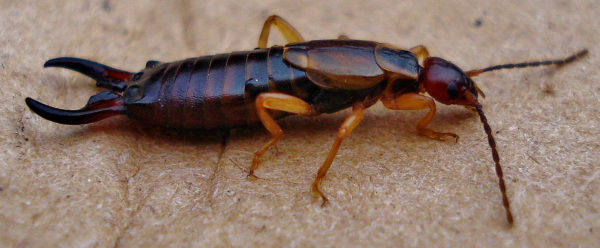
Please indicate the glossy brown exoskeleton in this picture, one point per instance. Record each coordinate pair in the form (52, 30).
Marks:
(303, 77)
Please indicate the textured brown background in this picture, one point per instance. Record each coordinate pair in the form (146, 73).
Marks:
(117, 183)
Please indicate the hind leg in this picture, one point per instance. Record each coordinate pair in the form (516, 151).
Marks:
(344, 130)
(281, 102)
(289, 33)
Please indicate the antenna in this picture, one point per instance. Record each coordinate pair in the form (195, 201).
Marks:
(473, 73)
(496, 157)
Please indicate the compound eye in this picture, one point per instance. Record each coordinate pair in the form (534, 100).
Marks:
(136, 76)
(452, 91)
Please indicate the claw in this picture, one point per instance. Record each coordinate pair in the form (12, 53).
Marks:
(106, 76)
(100, 106)
(251, 175)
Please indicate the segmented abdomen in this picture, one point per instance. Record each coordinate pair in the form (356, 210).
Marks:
(215, 91)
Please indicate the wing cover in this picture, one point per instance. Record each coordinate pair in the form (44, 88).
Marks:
(337, 64)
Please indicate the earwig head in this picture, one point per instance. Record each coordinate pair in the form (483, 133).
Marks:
(447, 83)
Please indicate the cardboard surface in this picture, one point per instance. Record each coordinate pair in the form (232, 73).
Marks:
(118, 183)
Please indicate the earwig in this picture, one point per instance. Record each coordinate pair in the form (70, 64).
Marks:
(302, 78)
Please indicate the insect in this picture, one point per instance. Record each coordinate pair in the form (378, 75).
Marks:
(303, 78)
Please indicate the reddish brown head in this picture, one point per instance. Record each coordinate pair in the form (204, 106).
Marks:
(447, 83)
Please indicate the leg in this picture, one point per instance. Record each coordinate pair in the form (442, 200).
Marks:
(413, 101)
(289, 33)
(421, 53)
(349, 124)
(276, 101)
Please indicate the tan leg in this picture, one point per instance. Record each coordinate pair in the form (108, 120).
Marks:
(275, 101)
(413, 101)
(349, 124)
(289, 33)
(421, 53)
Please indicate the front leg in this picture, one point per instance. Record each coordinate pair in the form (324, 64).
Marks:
(413, 101)
(421, 53)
